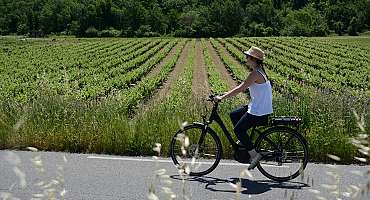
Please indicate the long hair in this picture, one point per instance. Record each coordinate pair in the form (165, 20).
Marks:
(261, 65)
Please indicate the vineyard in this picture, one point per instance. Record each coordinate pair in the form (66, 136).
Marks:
(120, 96)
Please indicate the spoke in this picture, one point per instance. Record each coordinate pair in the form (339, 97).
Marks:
(280, 141)
(210, 155)
(267, 154)
(201, 148)
(272, 143)
(284, 150)
(269, 163)
(291, 137)
(295, 157)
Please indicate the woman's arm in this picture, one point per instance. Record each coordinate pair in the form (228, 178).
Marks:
(252, 77)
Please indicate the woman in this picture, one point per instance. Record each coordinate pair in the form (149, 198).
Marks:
(259, 107)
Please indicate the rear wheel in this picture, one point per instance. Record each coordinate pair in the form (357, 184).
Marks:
(197, 149)
(285, 153)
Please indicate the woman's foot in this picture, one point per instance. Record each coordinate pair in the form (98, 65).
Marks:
(254, 161)
(254, 158)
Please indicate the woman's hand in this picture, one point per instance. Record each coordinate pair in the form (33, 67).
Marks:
(218, 98)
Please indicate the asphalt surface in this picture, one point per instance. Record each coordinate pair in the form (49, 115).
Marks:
(44, 175)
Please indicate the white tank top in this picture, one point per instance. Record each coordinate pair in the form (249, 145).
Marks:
(261, 97)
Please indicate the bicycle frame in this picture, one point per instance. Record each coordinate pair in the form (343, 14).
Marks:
(276, 153)
(216, 117)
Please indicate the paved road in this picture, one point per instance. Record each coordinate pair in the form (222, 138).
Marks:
(27, 175)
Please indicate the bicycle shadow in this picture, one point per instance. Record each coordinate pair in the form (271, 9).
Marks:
(251, 187)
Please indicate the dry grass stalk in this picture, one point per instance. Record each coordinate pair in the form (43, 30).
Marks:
(352, 191)
(49, 189)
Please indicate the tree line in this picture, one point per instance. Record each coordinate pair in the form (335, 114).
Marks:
(184, 18)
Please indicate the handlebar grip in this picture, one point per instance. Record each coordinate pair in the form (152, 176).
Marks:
(211, 97)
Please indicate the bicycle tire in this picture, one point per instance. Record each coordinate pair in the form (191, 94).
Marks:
(300, 141)
(211, 138)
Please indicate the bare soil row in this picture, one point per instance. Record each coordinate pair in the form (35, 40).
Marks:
(200, 86)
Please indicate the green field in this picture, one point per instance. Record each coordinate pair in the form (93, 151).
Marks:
(120, 96)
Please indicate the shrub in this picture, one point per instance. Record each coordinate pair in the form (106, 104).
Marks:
(111, 32)
(73, 28)
(91, 32)
(187, 31)
(127, 32)
(143, 29)
(22, 29)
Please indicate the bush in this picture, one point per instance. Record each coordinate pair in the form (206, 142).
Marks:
(111, 32)
(22, 29)
(146, 31)
(143, 29)
(3, 32)
(257, 29)
(36, 33)
(73, 28)
(127, 32)
(152, 34)
(187, 31)
(91, 32)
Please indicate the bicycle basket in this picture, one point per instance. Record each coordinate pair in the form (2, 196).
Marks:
(286, 120)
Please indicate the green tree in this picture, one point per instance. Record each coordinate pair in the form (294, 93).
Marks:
(226, 17)
(353, 26)
(338, 27)
(135, 14)
(304, 22)
(217, 18)
(258, 16)
(104, 13)
(3, 27)
(55, 16)
(156, 19)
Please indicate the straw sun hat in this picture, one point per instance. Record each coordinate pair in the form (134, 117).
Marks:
(256, 53)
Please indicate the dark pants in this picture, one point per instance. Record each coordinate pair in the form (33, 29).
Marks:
(243, 121)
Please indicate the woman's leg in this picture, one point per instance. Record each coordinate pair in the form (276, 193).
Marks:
(246, 122)
(241, 127)
(238, 113)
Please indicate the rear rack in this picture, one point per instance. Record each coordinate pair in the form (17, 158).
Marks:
(286, 120)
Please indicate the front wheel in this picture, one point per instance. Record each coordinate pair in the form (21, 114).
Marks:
(284, 153)
(197, 149)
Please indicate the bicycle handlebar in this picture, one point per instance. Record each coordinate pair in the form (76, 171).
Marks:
(211, 97)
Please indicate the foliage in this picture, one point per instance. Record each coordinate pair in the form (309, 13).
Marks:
(196, 18)
(304, 22)
(91, 32)
(110, 33)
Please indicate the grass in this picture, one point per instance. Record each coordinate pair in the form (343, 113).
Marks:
(56, 123)
(162, 183)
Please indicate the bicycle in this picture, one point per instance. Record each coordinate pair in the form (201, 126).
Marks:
(284, 150)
